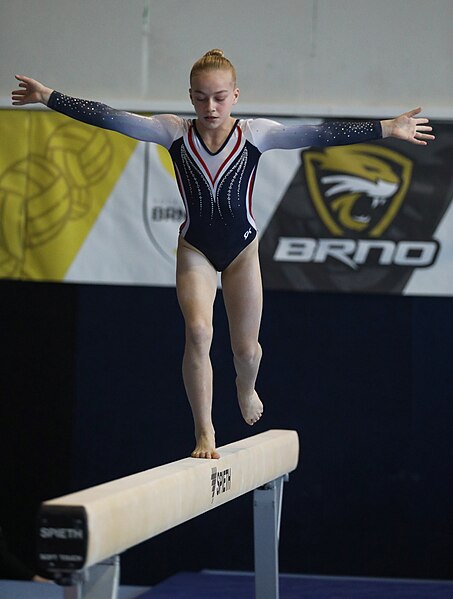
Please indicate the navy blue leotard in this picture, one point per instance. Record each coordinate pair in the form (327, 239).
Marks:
(216, 187)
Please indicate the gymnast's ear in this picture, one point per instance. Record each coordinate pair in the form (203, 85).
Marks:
(236, 95)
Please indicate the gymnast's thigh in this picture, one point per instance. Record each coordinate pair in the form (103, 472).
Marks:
(243, 295)
(196, 284)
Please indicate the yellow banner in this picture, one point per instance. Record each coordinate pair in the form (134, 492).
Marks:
(55, 177)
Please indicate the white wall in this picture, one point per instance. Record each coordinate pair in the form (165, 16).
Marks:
(305, 57)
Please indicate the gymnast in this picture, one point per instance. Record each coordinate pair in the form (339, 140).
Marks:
(215, 157)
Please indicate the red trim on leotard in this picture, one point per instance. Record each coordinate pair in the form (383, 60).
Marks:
(227, 159)
(233, 151)
(194, 150)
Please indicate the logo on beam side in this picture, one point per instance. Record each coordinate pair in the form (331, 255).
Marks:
(220, 482)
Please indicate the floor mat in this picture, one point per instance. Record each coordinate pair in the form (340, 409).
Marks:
(209, 585)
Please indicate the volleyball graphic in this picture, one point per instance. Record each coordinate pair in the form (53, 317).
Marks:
(34, 206)
(11, 230)
(48, 200)
(12, 211)
(84, 155)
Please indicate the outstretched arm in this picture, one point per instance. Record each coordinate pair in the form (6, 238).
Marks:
(161, 129)
(408, 128)
(270, 135)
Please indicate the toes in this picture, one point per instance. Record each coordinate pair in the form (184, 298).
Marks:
(251, 408)
(205, 454)
(198, 453)
(254, 419)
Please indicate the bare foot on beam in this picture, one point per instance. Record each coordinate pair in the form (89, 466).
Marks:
(205, 447)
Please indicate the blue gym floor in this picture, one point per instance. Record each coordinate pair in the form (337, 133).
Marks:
(223, 585)
(226, 585)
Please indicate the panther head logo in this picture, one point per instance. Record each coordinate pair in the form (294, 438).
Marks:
(357, 189)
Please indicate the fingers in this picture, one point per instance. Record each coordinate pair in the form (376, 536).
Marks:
(413, 112)
(419, 138)
(23, 89)
(20, 91)
(421, 128)
(425, 136)
(23, 80)
(19, 96)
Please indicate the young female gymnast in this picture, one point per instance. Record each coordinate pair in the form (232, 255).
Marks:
(215, 157)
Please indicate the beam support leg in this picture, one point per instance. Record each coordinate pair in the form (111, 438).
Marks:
(101, 581)
(267, 506)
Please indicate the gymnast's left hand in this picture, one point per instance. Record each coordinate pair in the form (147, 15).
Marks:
(408, 128)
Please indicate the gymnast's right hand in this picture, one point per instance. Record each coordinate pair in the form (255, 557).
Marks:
(30, 92)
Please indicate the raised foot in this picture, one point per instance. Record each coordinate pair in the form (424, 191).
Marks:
(251, 407)
(205, 448)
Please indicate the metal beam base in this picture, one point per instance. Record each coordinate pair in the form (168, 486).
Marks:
(267, 508)
(98, 582)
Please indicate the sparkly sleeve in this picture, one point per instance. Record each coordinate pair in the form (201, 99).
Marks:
(161, 129)
(269, 135)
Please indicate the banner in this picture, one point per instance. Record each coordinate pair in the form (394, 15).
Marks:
(366, 218)
(55, 179)
(81, 204)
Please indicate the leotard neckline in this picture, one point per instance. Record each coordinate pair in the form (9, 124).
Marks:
(198, 134)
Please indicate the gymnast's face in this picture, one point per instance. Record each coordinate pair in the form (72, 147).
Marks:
(213, 94)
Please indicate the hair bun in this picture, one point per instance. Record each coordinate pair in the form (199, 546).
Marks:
(212, 60)
(215, 52)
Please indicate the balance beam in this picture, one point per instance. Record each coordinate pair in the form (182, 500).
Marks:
(82, 529)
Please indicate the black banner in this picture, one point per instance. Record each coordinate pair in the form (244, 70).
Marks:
(362, 218)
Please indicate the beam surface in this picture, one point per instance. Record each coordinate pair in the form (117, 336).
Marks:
(81, 529)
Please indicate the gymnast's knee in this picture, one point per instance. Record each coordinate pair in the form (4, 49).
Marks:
(247, 353)
(199, 335)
